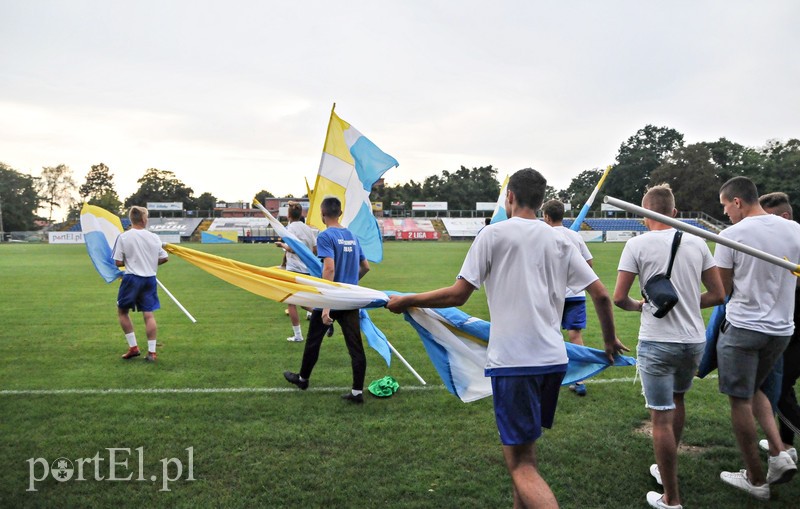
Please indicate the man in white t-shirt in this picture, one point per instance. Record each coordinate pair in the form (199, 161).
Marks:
(759, 324)
(524, 266)
(293, 263)
(670, 348)
(787, 408)
(573, 319)
(140, 252)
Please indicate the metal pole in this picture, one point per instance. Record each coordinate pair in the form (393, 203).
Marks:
(679, 225)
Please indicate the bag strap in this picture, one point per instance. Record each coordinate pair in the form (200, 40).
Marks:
(676, 241)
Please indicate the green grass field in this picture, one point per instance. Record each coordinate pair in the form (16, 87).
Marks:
(218, 393)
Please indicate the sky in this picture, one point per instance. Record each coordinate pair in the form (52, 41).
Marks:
(234, 97)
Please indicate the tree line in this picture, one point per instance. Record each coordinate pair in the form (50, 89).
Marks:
(653, 155)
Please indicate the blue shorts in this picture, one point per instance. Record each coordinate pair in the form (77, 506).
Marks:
(666, 369)
(523, 405)
(574, 316)
(138, 293)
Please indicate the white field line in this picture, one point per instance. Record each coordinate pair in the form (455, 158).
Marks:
(235, 390)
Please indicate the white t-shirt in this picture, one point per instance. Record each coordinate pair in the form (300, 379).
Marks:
(763, 293)
(525, 265)
(140, 250)
(648, 255)
(306, 235)
(577, 240)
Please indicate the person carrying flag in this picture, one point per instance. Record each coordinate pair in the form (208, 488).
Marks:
(525, 266)
(342, 262)
(293, 263)
(140, 252)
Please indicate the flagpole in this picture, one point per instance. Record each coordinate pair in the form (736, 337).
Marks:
(176, 301)
(576, 225)
(680, 225)
(413, 371)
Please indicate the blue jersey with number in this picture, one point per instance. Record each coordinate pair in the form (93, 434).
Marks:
(341, 245)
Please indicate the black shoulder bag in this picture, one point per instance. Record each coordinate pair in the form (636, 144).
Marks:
(658, 290)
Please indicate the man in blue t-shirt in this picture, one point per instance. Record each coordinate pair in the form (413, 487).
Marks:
(342, 262)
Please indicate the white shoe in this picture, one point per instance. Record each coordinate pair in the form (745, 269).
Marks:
(657, 500)
(781, 468)
(764, 446)
(739, 480)
(655, 472)
(308, 315)
(294, 339)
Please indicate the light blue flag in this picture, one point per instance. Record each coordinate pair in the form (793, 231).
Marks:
(350, 166)
(500, 208)
(456, 344)
(100, 231)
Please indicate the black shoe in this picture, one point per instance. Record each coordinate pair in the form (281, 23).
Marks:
(330, 331)
(294, 378)
(358, 399)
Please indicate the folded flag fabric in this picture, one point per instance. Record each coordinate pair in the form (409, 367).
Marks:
(384, 387)
(456, 344)
(350, 166)
(709, 361)
(281, 285)
(100, 231)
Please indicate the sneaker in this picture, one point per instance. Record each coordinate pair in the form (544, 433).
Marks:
(657, 500)
(764, 446)
(131, 353)
(781, 468)
(294, 378)
(656, 473)
(739, 480)
(150, 357)
(330, 331)
(358, 399)
(578, 388)
(308, 315)
(295, 339)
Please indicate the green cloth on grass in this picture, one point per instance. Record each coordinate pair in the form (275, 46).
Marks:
(384, 387)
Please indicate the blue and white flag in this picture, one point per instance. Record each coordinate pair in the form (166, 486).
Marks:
(100, 231)
(350, 166)
(456, 344)
(500, 208)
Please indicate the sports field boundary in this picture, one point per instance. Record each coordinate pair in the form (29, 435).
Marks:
(244, 390)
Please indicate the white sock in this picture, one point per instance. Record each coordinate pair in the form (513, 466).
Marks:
(298, 332)
(151, 345)
(131, 339)
(355, 392)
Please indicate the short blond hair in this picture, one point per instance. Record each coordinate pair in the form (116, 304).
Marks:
(660, 199)
(138, 215)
